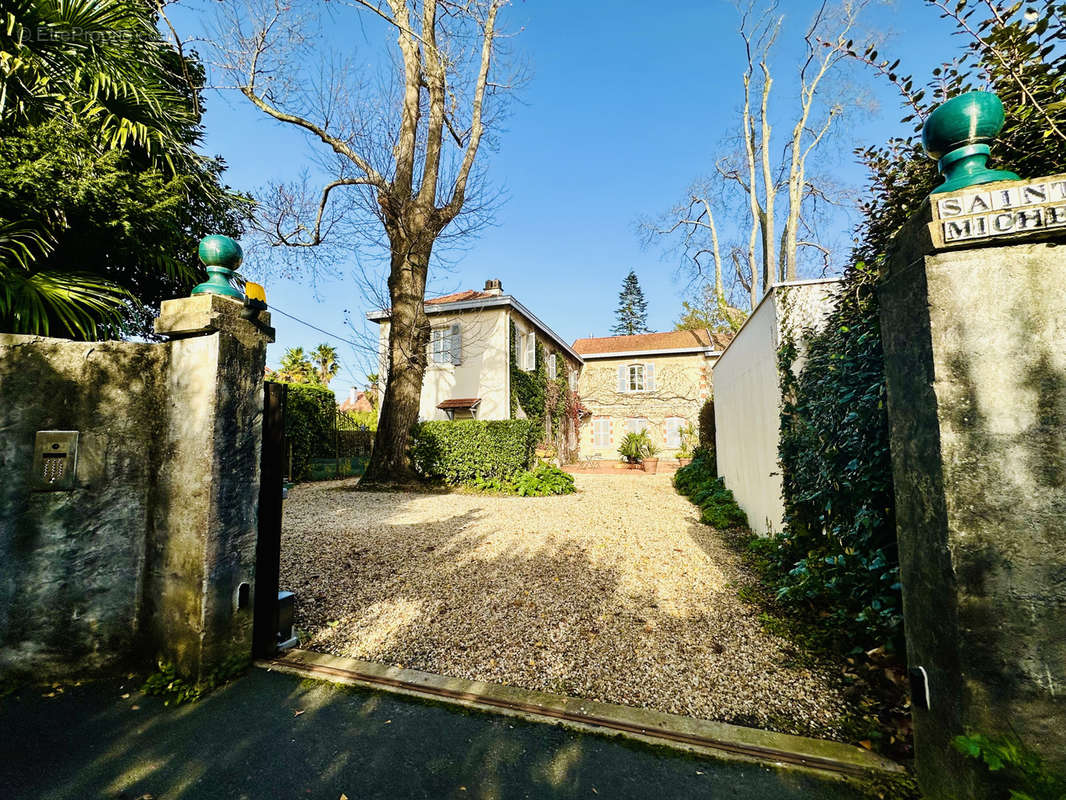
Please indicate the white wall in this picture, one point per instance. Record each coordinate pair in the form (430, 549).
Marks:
(482, 373)
(747, 399)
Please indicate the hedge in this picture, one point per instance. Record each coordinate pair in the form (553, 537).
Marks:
(468, 450)
(700, 483)
(309, 424)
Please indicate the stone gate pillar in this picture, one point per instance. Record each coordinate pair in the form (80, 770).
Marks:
(200, 554)
(973, 317)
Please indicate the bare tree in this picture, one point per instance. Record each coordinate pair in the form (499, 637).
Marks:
(772, 175)
(404, 154)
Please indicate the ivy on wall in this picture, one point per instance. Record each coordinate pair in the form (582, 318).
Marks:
(837, 554)
(541, 398)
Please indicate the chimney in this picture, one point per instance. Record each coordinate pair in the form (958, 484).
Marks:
(493, 286)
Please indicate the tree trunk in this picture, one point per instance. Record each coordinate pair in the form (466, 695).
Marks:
(390, 461)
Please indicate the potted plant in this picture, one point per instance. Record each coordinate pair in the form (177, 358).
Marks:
(651, 458)
(684, 452)
(634, 448)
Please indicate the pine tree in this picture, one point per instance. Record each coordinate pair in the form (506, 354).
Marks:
(632, 311)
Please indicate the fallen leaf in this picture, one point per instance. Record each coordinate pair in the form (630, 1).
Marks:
(298, 712)
(126, 696)
(135, 708)
(388, 722)
(867, 744)
(343, 796)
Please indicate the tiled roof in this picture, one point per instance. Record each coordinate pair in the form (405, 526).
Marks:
(456, 297)
(460, 402)
(669, 340)
(360, 403)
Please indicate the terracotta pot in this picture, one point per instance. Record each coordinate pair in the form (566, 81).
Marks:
(684, 462)
(651, 465)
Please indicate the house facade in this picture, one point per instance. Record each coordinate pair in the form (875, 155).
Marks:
(652, 382)
(485, 350)
(474, 337)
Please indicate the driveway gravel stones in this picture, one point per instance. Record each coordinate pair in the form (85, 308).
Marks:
(616, 593)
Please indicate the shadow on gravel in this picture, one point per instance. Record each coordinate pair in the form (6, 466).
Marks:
(540, 612)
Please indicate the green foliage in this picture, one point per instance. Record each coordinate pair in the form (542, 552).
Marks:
(635, 447)
(103, 196)
(544, 480)
(296, 367)
(464, 451)
(309, 424)
(324, 361)
(837, 557)
(546, 400)
(357, 420)
(717, 317)
(700, 483)
(632, 311)
(689, 442)
(1023, 770)
(168, 683)
(528, 389)
(706, 423)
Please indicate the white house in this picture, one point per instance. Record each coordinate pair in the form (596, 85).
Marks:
(468, 375)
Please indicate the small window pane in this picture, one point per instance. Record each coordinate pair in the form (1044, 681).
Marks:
(636, 378)
(551, 366)
(440, 346)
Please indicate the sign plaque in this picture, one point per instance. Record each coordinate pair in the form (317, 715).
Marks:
(1001, 210)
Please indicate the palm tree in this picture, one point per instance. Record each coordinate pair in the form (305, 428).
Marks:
(104, 65)
(372, 386)
(324, 358)
(295, 367)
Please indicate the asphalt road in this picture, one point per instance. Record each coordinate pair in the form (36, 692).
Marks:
(270, 735)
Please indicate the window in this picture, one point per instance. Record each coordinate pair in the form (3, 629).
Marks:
(446, 345)
(636, 378)
(636, 424)
(635, 382)
(531, 352)
(441, 346)
(673, 431)
(573, 380)
(601, 432)
(551, 367)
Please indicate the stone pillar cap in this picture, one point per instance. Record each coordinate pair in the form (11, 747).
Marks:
(206, 313)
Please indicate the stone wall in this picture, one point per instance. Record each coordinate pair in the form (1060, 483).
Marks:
(143, 557)
(682, 386)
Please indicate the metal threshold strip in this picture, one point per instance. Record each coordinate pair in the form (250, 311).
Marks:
(823, 764)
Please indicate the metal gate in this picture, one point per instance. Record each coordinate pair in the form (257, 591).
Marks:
(268, 544)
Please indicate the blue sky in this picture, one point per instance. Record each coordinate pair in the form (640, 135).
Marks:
(628, 102)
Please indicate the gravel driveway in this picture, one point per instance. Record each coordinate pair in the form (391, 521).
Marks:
(616, 593)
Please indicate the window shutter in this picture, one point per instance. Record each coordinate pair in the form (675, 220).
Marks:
(457, 344)
(649, 377)
(622, 378)
(531, 351)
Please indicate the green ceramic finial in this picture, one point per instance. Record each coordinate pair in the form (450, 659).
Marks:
(221, 255)
(958, 132)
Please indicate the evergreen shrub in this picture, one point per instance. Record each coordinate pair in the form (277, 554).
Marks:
(700, 483)
(465, 451)
(309, 424)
